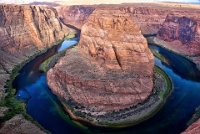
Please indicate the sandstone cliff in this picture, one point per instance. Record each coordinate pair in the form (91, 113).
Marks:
(181, 34)
(149, 17)
(19, 125)
(193, 129)
(24, 30)
(111, 68)
(75, 15)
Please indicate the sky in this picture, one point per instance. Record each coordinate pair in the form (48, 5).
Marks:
(71, 2)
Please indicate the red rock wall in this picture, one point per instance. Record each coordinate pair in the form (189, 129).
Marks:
(110, 69)
(193, 129)
(23, 31)
(149, 17)
(75, 15)
(181, 34)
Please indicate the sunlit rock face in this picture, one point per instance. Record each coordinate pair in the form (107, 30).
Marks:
(23, 31)
(110, 69)
(148, 18)
(115, 41)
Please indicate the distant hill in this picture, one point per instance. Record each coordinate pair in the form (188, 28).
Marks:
(52, 4)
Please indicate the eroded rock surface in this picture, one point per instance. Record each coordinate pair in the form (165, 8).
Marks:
(110, 69)
(148, 18)
(19, 125)
(193, 129)
(75, 15)
(23, 31)
(182, 34)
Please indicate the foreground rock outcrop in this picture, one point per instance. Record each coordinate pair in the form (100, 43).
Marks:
(111, 69)
(193, 129)
(19, 125)
(24, 31)
(181, 34)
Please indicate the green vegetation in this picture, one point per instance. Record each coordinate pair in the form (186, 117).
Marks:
(159, 56)
(48, 63)
(132, 115)
(45, 65)
(70, 35)
(51, 61)
(167, 84)
(15, 106)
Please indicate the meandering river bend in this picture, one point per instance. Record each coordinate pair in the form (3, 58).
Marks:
(45, 108)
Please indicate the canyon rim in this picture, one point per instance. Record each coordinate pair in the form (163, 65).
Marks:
(110, 74)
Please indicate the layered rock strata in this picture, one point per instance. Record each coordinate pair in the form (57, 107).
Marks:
(19, 125)
(75, 15)
(181, 34)
(111, 69)
(24, 31)
(149, 17)
(193, 129)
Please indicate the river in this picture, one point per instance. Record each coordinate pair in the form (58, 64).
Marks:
(45, 108)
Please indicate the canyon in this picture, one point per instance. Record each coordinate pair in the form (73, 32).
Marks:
(153, 19)
(180, 33)
(24, 32)
(111, 68)
(149, 17)
(176, 26)
(111, 52)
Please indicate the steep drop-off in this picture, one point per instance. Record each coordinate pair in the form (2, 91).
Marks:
(193, 129)
(111, 69)
(75, 15)
(181, 34)
(78, 15)
(24, 31)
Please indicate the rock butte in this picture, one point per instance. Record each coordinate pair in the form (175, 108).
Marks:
(17, 43)
(152, 19)
(110, 69)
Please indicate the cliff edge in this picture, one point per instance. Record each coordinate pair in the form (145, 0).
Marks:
(24, 31)
(110, 70)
